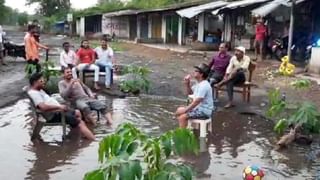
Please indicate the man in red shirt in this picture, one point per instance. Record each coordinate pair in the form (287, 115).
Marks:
(261, 32)
(86, 60)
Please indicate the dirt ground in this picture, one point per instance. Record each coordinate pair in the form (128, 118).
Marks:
(168, 69)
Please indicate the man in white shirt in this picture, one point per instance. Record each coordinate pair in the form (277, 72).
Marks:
(68, 57)
(235, 74)
(105, 60)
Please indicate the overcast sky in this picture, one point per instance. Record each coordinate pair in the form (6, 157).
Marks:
(20, 4)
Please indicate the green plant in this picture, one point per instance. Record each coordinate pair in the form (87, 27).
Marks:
(30, 69)
(303, 114)
(46, 70)
(307, 115)
(276, 104)
(129, 154)
(138, 81)
(301, 84)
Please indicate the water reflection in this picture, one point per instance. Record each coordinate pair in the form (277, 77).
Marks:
(236, 141)
(50, 156)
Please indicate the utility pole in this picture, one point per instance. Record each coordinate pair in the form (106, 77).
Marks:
(293, 3)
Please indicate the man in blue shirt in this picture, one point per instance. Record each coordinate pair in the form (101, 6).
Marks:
(202, 105)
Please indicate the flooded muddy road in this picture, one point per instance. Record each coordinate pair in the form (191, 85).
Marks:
(237, 141)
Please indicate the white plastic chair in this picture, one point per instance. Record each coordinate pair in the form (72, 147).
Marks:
(205, 124)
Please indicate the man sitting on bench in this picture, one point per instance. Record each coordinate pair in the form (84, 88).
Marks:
(105, 60)
(86, 58)
(52, 109)
(82, 97)
(68, 57)
(235, 74)
(202, 104)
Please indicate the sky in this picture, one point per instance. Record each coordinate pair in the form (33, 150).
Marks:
(20, 5)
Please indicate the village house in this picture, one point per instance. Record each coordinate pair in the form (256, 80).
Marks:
(207, 23)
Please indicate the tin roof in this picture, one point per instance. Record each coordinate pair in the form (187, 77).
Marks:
(193, 11)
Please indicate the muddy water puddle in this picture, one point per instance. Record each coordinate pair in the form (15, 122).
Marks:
(236, 141)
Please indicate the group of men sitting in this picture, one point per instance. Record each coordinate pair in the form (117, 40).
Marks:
(89, 59)
(222, 70)
(79, 97)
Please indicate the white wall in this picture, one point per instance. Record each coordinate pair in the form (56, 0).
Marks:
(149, 26)
(201, 28)
(82, 27)
(78, 26)
(164, 29)
(117, 25)
(181, 30)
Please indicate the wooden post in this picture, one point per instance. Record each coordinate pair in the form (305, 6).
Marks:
(293, 2)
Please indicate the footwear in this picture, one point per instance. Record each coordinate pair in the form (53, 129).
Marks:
(108, 87)
(37, 138)
(229, 105)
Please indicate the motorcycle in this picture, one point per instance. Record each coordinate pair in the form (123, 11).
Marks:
(13, 49)
(301, 51)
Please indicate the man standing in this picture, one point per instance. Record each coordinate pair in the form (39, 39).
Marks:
(68, 57)
(261, 32)
(105, 60)
(235, 74)
(87, 58)
(32, 48)
(52, 109)
(218, 65)
(202, 105)
(81, 96)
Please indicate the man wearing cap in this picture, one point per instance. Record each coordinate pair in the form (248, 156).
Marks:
(202, 104)
(235, 74)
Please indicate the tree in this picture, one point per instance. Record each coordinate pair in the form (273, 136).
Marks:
(22, 19)
(51, 7)
(3, 11)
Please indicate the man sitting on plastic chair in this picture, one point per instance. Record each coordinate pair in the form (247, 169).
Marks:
(202, 104)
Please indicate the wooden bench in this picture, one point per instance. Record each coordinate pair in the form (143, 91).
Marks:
(41, 121)
(245, 88)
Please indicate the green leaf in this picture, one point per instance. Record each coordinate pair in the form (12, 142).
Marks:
(281, 126)
(166, 144)
(185, 172)
(94, 175)
(132, 147)
(162, 176)
(130, 171)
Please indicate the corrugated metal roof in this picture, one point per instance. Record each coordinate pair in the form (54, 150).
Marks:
(238, 4)
(121, 13)
(271, 6)
(193, 11)
(268, 8)
(288, 3)
(175, 7)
